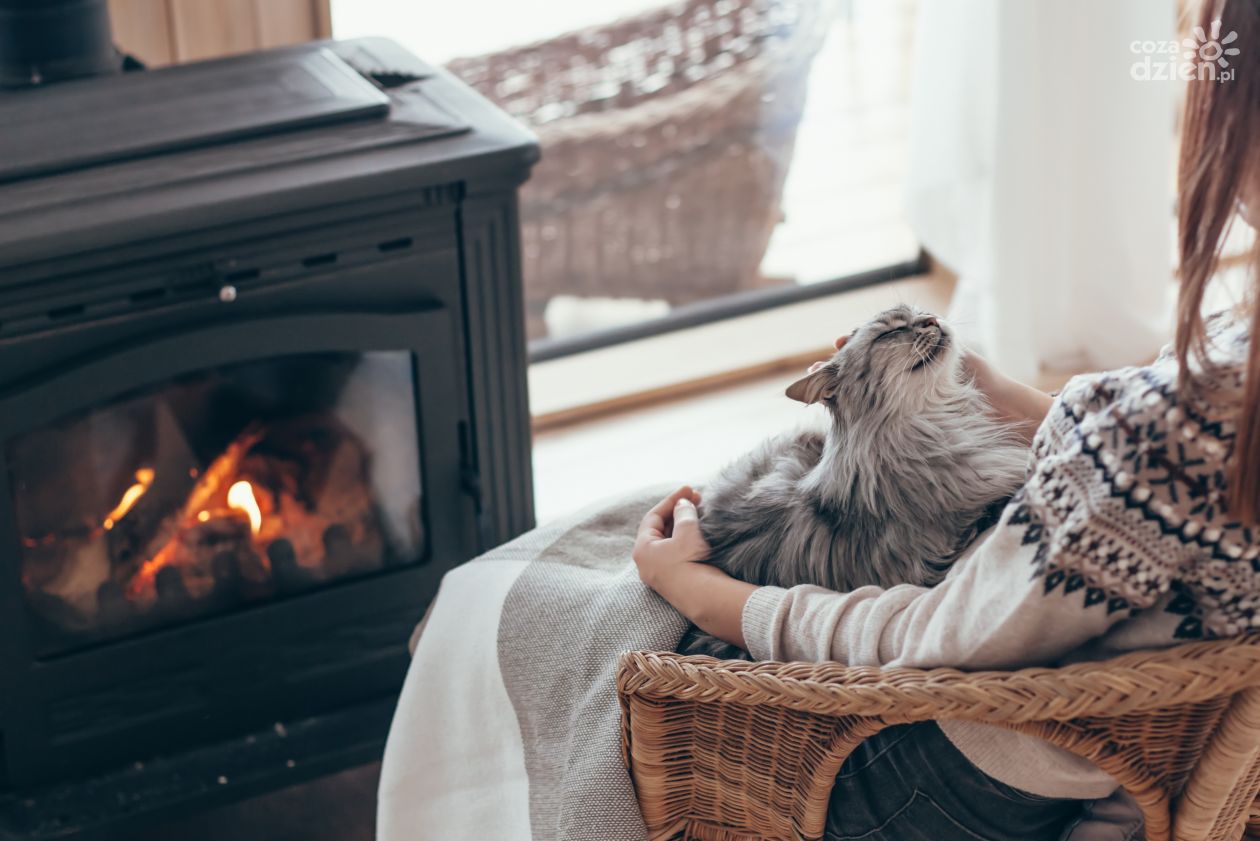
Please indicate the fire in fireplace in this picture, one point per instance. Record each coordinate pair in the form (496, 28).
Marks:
(247, 483)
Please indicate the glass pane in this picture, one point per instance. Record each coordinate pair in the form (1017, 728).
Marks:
(691, 150)
(225, 487)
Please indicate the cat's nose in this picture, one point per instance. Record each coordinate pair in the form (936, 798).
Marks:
(928, 321)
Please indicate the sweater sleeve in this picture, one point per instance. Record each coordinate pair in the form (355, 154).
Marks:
(1075, 553)
(992, 613)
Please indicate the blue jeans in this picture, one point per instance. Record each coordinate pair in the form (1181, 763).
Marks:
(909, 783)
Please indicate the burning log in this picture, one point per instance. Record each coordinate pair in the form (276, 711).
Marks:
(285, 569)
(284, 507)
(216, 480)
(290, 503)
(172, 595)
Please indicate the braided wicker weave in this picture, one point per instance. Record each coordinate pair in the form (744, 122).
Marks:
(666, 141)
(731, 751)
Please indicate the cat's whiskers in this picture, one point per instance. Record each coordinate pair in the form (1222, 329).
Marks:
(920, 358)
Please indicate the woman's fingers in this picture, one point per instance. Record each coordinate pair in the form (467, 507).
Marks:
(665, 508)
(655, 522)
(669, 536)
(687, 532)
(685, 515)
(651, 527)
(840, 342)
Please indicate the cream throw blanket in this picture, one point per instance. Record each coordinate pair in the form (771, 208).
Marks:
(508, 726)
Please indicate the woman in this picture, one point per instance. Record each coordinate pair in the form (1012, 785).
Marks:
(1139, 527)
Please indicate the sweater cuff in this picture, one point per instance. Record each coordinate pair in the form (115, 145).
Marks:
(758, 621)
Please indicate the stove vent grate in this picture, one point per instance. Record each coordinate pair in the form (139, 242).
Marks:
(75, 299)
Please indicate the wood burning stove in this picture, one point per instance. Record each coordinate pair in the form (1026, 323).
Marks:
(258, 391)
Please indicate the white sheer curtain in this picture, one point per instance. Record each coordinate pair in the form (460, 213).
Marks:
(1041, 173)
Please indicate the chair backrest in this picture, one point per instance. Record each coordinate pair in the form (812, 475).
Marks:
(1217, 800)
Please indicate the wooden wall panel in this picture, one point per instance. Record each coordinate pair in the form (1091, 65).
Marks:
(162, 32)
(143, 29)
(283, 22)
(210, 28)
(323, 18)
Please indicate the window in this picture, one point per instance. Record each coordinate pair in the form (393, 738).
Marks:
(701, 159)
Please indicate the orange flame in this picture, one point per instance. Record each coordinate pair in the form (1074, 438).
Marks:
(144, 478)
(241, 497)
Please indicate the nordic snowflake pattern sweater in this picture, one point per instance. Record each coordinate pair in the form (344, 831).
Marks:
(1120, 540)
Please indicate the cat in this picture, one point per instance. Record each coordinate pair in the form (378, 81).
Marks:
(912, 466)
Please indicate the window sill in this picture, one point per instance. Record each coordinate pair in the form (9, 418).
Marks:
(631, 375)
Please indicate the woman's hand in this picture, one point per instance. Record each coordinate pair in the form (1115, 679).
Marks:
(669, 552)
(1014, 402)
(669, 537)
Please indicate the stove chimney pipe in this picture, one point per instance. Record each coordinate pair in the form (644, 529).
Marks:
(44, 41)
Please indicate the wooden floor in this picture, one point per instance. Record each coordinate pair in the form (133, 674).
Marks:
(341, 807)
(681, 441)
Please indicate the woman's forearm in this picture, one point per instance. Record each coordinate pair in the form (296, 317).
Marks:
(669, 552)
(1015, 402)
(710, 598)
(1024, 406)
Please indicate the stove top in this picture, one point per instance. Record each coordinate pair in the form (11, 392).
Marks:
(83, 163)
(112, 118)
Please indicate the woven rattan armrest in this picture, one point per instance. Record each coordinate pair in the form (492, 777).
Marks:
(729, 749)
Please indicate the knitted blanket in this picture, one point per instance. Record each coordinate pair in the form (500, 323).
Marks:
(508, 725)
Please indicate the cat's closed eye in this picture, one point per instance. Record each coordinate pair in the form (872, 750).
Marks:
(894, 331)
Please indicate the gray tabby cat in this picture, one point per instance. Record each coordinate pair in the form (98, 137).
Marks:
(908, 470)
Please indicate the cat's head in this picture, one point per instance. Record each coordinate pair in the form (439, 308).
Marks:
(901, 360)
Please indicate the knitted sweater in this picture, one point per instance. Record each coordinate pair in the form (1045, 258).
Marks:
(1120, 540)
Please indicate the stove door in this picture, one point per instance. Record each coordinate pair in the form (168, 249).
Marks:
(178, 497)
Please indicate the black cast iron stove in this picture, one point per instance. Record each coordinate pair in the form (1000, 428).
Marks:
(262, 381)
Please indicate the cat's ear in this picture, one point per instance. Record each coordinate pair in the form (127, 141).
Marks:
(818, 385)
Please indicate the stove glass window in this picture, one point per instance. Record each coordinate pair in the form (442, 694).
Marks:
(216, 490)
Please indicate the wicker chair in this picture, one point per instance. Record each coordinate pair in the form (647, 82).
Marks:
(666, 139)
(734, 751)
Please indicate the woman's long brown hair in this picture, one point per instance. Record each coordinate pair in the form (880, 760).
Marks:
(1220, 154)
